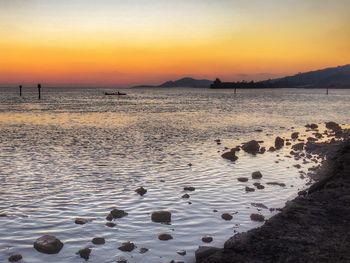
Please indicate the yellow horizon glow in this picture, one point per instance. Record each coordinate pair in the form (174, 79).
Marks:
(114, 43)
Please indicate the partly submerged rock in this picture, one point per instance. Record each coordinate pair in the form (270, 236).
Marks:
(295, 135)
(298, 146)
(242, 179)
(189, 188)
(256, 175)
(127, 247)
(82, 221)
(333, 126)
(85, 253)
(231, 155)
(279, 143)
(141, 191)
(15, 258)
(226, 216)
(207, 239)
(181, 252)
(115, 214)
(143, 250)
(276, 183)
(98, 240)
(161, 217)
(249, 189)
(251, 147)
(185, 196)
(259, 205)
(165, 237)
(48, 244)
(110, 224)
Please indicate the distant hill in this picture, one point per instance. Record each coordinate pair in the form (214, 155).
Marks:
(329, 77)
(187, 82)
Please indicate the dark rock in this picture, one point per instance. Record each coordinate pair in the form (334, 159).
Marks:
(249, 189)
(165, 237)
(143, 250)
(279, 143)
(185, 196)
(257, 217)
(161, 217)
(242, 179)
(207, 239)
(181, 252)
(98, 241)
(262, 150)
(298, 146)
(288, 143)
(141, 191)
(295, 135)
(259, 186)
(203, 252)
(272, 149)
(259, 205)
(312, 126)
(230, 156)
(85, 253)
(110, 224)
(331, 125)
(127, 247)
(82, 221)
(115, 214)
(48, 244)
(15, 258)
(226, 216)
(251, 147)
(256, 175)
(189, 188)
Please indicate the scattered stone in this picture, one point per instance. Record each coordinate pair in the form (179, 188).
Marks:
(249, 189)
(256, 175)
(85, 253)
(242, 179)
(257, 217)
(298, 166)
(226, 216)
(231, 155)
(189, 188)
(276, 183)
(82, 221)
(181, 252)
(272, 149)
(331, 125)
(185, 196)
(298, 146)
(312, 126)
(288, 143)
(98, 241)
(258, 130)
(110, 224)
(279, 142)
(115, 214)
(251, 147)
(262, 150)
(143, 250)
(15, 258)
(127, 247)
(165, 237)
(204, 252)
(122, 260)
(161, 217)
(48, 244)
(207, 239)
(141, 191)
(236, 149)
(259, 205)
(295, 135)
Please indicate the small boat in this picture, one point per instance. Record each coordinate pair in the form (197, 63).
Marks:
(115, 93)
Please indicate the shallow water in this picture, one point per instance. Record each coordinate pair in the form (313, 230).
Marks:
(78, 153)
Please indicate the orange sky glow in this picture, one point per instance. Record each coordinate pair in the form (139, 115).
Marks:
(123, 43)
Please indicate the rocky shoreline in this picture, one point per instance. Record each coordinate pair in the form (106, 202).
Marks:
(311, 228)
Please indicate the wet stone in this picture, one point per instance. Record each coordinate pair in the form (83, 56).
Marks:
(207, 239)
(110, 224)
(161, 217)
(242, 179)
(116, 214)
(48, 244)
(98, 241)
(257, 217)
(256, 175)
(185, 196)
(226, 216)
(181, 252)
(165, 237)
(189, 188)
(249, 189)
(85, 253)
(127, 247)
(143, 250)
(15, 258)
(141, 191)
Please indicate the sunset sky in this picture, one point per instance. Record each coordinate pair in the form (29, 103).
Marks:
(119, 42)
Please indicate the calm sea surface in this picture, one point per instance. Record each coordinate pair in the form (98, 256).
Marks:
(78, 153)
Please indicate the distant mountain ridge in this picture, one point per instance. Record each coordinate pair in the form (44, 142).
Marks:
(187, 82)
(336, 77)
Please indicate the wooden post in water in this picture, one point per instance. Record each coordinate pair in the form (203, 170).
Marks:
(327, 91)
(20, 90)
(39, 91)
(235, 90)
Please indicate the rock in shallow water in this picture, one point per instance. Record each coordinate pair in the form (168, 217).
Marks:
(141, 191)
(279, 143)
(230, 156)
(249, 189)
(242, 179)
(127, 247)
(189, 188)
(115, 214)
(257, 217)
(207, 239)
(165, 237)
(98, 241)
(161, 217)
(256, 175)
(48, 244)
(15, 258)
(226, 216)
(251, 147)
(85, 253)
